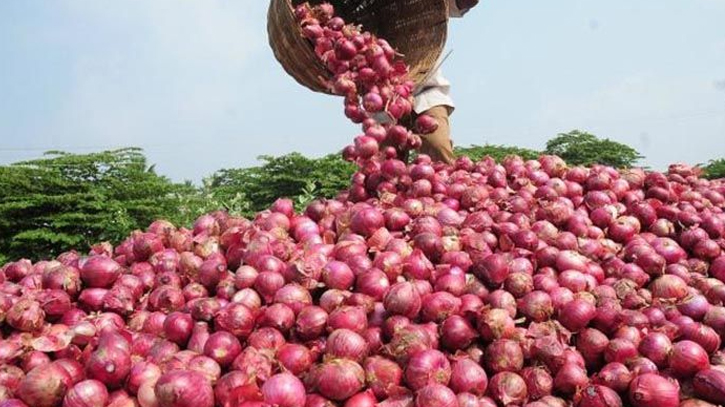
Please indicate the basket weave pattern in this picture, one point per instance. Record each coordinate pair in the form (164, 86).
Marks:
(415, 28)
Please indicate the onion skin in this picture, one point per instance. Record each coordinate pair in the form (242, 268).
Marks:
(651, 390)
(709, 385)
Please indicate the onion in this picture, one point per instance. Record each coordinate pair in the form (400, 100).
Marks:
(346, 344)
(687, 358)
(223, 347)
(577, 314)
(436, 395)
(140, 373)
(656, 347)
(284, 390)
(495, 324)
(539, 382)
(403, 299)
(598, 396)
(178, 327)
(88, 393)
(44, 386)
(709, 385)
(311, 322)
(383, 376)
(508, 388)
(236, 319)
(427, 367)
(26, 315)
(652, 390)
(109, 365)
(570, 378)
(338, 379)
(504, 355)
(99, 272)
(468, 376)
(184, 388)
(295, 359)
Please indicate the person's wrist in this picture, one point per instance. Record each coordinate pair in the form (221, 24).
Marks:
(464, 5)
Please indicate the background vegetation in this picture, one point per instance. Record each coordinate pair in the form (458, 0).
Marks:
(62, 201)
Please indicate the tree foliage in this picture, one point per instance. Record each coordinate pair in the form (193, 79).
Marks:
(715, 169)
(64, 201)
(497, 152)
(293, 176)
(582, 148)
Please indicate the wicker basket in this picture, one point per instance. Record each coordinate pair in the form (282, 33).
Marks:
(415, 28)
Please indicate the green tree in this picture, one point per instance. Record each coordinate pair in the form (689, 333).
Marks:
(497, 152)
(64, 201)
(715, 169)
(293, 175)
(582, 148)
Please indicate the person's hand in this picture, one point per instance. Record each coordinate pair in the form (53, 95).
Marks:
(466, 4)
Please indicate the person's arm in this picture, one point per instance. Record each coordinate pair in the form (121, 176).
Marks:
(458, 8)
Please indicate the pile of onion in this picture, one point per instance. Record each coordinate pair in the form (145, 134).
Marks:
(477, 284)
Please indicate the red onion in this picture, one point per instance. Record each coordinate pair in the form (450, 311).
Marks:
(223, 347)
(457, 333)
(178, 327)
(383, 376)
(236, 319)
(598, 396)
(539, 382)
(468, 376)
(427, 367)
(44, 386)
(184, 388)
(99, 272)
(403, 299)
(436, 395)
(577, 314)
(495, 324)
(709, 385)
(504, 355)
(438, 306)
(278, 316)
(570, 378)
(338, 379)
(295, 359)
(11, 376)
(25, 315)
(651, 390)
(688, 358)
(142, 372)
(88, 393)
(109, 365)
(311, 322)
(346, 344)
(656, 347)
(508, 388)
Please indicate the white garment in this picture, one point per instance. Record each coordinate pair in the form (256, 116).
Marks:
(435, 91)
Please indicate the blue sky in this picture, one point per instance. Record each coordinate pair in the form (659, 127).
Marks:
(195, 84)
